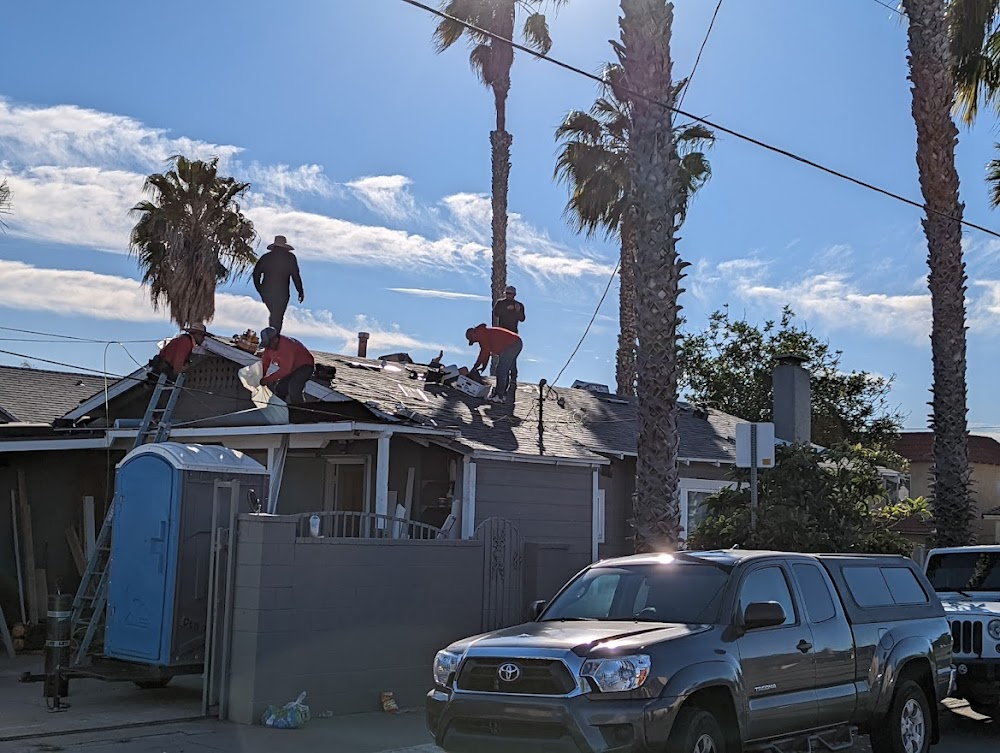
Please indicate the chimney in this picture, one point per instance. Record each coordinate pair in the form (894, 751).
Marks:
(362, 344)
(792, 400)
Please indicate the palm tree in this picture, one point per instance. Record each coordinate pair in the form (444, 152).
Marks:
(492, 59)
(190, 237)
(655, 201)
(932, 76)
(593, 160)
(4, 202)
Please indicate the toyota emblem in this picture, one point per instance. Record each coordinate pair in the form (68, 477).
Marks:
(508, 672)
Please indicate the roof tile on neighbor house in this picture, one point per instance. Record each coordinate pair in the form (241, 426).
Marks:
(37, 396)
(917, 447)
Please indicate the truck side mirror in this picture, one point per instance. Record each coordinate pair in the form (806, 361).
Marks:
(762, 614)
(536, 609)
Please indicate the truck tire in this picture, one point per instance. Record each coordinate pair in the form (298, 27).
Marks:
(696, 731)
(907, 728)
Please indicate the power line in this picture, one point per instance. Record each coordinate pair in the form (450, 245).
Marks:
(694, 68)
(68, 337)
(587, 330)
(710, 124)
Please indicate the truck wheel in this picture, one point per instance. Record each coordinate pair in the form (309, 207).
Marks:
(696, 731)
(907, 728)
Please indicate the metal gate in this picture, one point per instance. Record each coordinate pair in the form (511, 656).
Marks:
(503, 573)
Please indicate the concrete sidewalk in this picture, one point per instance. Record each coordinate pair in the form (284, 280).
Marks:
(366, 733)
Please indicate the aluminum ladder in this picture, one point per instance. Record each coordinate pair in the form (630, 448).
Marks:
(92, 595)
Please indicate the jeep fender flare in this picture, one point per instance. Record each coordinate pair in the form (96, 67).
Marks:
(889, 660)
(660, 715)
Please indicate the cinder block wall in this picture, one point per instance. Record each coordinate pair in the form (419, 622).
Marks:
(344, 619)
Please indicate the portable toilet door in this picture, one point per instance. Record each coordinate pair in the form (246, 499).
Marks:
(145, 524)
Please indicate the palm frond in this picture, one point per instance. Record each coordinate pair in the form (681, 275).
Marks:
(536, 32)
(579, 125)
(993, 179)
(972, 26)
(481, 59)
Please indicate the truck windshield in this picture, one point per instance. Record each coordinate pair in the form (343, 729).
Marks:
(676, 592)
(964, 571)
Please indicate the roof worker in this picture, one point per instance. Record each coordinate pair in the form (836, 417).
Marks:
(506, 345)
(175, 357)
(508, 312)
(287, 365)
(272, 275)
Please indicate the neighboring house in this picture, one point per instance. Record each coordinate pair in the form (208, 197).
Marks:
(559, 465)
(984, 462)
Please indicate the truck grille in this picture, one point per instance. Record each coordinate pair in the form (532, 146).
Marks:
(967, 637)
(534, 676)
(512, 729)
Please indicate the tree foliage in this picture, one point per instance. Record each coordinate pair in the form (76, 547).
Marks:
(811, 501)
(4, 202)
(190, 237)
(729, 367)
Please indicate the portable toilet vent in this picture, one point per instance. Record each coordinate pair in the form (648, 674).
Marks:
(160, 551)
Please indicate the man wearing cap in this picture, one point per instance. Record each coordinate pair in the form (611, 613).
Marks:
(287, 365)
(508, 312)
(272, 275)
(175, 357)
(506, 345)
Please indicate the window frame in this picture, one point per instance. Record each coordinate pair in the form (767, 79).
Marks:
(688, 485)
(797, 609)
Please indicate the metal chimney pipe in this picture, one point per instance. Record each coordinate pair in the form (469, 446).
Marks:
(363, 344)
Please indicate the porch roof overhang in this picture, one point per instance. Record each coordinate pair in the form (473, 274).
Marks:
(516, 457)
(243, 437)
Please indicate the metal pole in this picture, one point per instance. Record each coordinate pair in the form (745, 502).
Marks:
(753, 477)
(209, 658)
(234, 505)
(57, 634)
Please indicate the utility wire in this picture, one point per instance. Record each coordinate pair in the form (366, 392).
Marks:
(722, 129)
(694, 68)
(70, 337)
(587, 330)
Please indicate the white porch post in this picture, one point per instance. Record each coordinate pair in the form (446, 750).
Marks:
(382, 477)
(595, 524)
(468, 498)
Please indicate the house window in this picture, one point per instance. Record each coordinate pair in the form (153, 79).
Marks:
(694, 493)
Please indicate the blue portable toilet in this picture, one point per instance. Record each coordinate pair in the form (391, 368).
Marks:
(160, 551)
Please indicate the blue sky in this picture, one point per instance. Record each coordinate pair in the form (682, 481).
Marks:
(371, 153)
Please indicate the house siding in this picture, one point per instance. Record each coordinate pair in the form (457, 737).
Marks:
(546, 503)
(985, 486)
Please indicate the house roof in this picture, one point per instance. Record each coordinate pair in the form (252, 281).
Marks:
(917, 447)
(992, 514)
(38, 396)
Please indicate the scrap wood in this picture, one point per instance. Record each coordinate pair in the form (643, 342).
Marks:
(89, 526)
(73, 539)
(30, 576)
(42, 590)
(17, 555)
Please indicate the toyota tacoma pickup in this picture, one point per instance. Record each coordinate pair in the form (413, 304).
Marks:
(707, 652)
(968, 581)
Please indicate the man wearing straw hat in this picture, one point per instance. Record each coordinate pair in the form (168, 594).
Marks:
(272, 275)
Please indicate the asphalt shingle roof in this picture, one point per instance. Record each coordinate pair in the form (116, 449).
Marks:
(39, 396)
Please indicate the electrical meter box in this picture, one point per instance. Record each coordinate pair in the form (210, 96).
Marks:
(160, 552)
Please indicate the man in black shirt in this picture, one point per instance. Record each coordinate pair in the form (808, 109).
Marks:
(508, 312)
(272, 275)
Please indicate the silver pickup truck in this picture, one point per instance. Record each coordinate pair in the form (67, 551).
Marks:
(707, 652)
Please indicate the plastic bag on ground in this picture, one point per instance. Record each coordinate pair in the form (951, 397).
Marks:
(290, 716)
(273, 409)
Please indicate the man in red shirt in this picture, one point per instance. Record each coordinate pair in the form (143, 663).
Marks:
(506, 345)
(175, 357)
(287, 365)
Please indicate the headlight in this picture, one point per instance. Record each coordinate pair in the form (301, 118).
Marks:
(994, 629)
(445, 664)
(622, 673)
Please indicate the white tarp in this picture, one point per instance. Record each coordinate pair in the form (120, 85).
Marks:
(272, 408)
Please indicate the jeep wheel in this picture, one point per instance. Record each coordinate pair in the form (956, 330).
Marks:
(696, 731)
(907, 728)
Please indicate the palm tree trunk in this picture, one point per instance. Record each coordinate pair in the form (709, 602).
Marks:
(627, 333)
(645, 33)
(931, 73)
(500, 142)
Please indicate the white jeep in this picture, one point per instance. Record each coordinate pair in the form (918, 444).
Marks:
(967, 579)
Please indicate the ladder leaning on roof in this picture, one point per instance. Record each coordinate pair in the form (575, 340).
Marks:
(92, 595)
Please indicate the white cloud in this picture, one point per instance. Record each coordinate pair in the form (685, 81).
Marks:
(80, 293)
(445, 294)
(388, 195)
(76, 173)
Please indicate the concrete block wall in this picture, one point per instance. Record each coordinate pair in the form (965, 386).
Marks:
(344, 619)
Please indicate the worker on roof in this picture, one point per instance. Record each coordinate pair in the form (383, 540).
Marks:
(508, 312)
(287, 365)
(272, 275)
(506, 345)
(175, 357)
